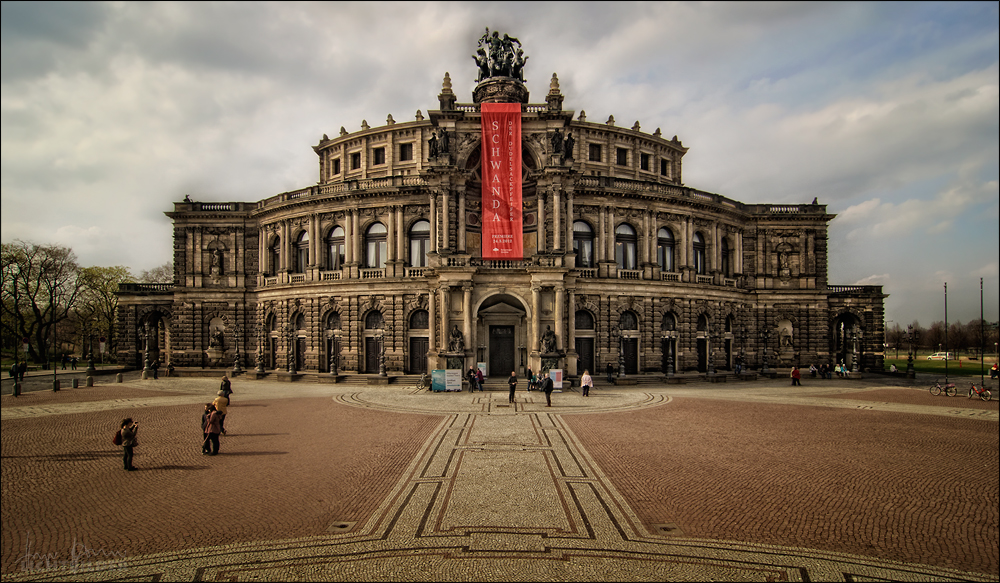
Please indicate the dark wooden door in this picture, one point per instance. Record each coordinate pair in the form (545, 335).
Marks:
(418, 355)
(702, 355)
(501, 351)
(631, 346)
(371, 355)
(585, 354)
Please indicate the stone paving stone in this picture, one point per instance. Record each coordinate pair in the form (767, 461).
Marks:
(339, 482)
(903, 487)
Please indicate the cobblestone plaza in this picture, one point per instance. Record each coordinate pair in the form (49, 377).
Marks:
(836, 480)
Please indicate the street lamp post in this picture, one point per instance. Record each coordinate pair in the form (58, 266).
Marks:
(765, 337)
(855, 336)
(260, 347)
(290, 335)
(380, 335)
(911, 337)
(711, 351)
(616, 332)
(237, 335)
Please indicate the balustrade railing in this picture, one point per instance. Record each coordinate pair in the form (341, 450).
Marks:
(329, 275)
(703, 279)
(629, 274)
(415, 271)
(670, 276)
(298, 277)
(269, 281)
(373, 273)
(587, 273)
(501, 263)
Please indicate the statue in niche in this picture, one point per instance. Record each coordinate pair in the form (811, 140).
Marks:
(548, 341)
(216, 262)
(456, 342)
(443, 147)
(216, 338)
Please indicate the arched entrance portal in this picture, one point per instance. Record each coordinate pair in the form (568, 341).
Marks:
(845, 327)
(502, 330)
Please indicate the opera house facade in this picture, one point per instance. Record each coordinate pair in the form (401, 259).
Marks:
(434, 244)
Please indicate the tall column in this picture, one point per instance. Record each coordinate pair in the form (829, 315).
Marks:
(285, 244)
(461, 222)
(649, 236)
(445, 305)
(445, 220)
(557, 219)
(314, 241)
(536, 307)
(611, 234)
(431, 313)
(569, 220)
(400, 236)
(571, 321)
(560, 317)
(434, 222)
(390, 237)
(541, 221)
(602, 244)
(467, 316)
(262, 250)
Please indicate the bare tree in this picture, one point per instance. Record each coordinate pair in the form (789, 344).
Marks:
(160, 274)
(97, 307)
(40, 287)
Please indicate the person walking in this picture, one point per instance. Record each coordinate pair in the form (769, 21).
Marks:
(611, 372)
(796, 375)
(130, 434)
(512, 383)
(204, 424)
(547, 386)
(586, 382)
(480, 379)
(211, 430)
(156, 369)
(221, 403)
(226, 388)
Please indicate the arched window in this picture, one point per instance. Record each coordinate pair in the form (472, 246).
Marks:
(584, 320)
(335, 249)
(628, 321)
(302, 252)
(300, 322)
(375, 246)
(669, 323)
(703, 323)
(272, 323)
(665, 249)
(699, 254)
(625, 247)
(333, 321)
(725, 258)
(419, 320)
(274, 257)
(420, 243)
(373, 321)
(583, 244)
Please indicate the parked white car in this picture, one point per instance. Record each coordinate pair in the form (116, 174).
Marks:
(941, 356)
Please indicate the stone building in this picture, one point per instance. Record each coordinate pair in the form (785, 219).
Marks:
(383, 258)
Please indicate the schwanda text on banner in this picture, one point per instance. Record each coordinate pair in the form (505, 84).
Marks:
(502, 220)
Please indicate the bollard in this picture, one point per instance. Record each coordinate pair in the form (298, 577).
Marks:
(118, 378)
(76, 383)
(90, 381)
(17, 389)
(55, 385)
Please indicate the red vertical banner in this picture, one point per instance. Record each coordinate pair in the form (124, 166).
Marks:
(501, 172)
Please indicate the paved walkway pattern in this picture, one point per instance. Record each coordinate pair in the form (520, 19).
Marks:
(747, 481)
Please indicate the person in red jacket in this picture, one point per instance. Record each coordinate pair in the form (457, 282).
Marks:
(796, 375)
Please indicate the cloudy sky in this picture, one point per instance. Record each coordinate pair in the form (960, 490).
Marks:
(888, 113)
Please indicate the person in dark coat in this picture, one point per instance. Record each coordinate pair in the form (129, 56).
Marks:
(512, 383)
(130, 433)
(212, 429)
(611, 372)
(547, 386)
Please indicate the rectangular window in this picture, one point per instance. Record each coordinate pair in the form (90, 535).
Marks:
(622, 157)
(335, 167)
(379, 155)
(644, 162)
(663, 167)
(405, 152)
(595, 152)
(355, 160)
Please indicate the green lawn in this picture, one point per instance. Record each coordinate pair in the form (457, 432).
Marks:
(962, 367)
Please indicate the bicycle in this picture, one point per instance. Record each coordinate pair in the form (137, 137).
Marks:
(949, 389)
(983, 392)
